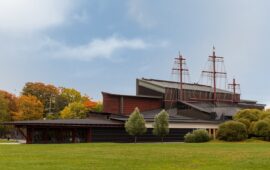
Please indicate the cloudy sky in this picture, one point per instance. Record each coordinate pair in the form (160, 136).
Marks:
(104, 45)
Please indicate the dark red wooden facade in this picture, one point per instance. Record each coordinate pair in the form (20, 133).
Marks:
(123, 104)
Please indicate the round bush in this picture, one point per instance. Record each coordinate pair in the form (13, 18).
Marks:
(197, 136)
(232, 131)
(265, 115)
(262, 129)
(249, 114)
(246, 122)
(267, 119)
(251, 128)
(189, 138)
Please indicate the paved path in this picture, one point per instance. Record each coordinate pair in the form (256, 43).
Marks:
(14, 143)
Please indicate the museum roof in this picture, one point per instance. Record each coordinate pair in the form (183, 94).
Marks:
(175, 85)
(67, 122)
(136, 96)
(173, 117)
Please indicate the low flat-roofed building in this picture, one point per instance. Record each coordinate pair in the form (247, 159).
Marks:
(108, 128)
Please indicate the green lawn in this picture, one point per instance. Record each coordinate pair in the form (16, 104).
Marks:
(214, 155)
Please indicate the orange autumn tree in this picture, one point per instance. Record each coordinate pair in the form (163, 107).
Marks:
(4, 115)
(45, 93)
(98, 107)
(11, 98)
(29, 108)
(7, 107)
(92, 105)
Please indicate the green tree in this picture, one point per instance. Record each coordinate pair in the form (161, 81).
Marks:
(135, 125)
(29, 108)
(71, 95)
(75, 110)
(60, 103)
(161, 124)
(249, 114)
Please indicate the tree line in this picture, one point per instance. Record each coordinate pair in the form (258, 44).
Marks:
(45, 101)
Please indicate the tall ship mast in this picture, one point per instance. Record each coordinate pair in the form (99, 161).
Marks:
(181, 70)
(203, 92)
(214, 73)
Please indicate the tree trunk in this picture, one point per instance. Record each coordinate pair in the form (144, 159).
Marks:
(162, 139)
(135, 139)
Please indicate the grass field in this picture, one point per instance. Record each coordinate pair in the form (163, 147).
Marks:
(163, 156)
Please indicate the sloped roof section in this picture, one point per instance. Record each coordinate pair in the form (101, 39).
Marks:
(172, 84)
(67, 122)
(172, 114)
(173, 117)
(219, 109)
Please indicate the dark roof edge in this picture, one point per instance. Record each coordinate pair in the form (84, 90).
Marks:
(135, 96)
(191, 84)
(65, 122)
(149, 120)
(168, 81)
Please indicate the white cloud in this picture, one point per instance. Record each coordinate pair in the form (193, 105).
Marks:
(32, 15)
(140, 15)
(97, 48)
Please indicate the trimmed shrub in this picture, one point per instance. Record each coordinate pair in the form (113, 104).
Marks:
(246, 122)
(251, 128)
(262, 129)
(265, 115)
(189, 138)
(249, 114)
(197, 136)
(267, 119)
(232, 131)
